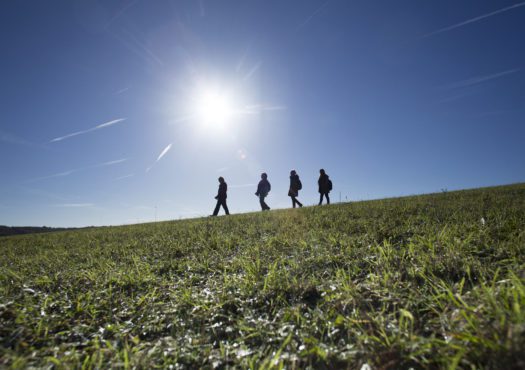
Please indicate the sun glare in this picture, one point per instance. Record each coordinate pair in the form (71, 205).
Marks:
(214, 108)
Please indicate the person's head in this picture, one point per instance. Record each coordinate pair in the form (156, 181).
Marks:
(293, 173)
(321, 171)
(264, 176)
(221, 179)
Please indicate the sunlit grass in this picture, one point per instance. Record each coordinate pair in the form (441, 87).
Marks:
(434, 281)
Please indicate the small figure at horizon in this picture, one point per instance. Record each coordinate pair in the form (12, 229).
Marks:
(221, 197)
(325, 186)
(295, 186)
(263, 189)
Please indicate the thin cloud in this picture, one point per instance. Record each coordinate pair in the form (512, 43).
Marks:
(184, 118)
(478, 80)
(120, 13)
(316, 12)
(98, 127)
(121, 91)
(252, 71)
(258, 108)
(242, 186)
(495, 113)
(453, 98)
(273, 107)
(60, 174)
(6, 137)
(69, 172)
(473, 20)
(202, 9)
(125, 177)
(240, 63)
(74, 205)
(222, 169)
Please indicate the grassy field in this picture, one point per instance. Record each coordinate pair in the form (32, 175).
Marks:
(432, 281)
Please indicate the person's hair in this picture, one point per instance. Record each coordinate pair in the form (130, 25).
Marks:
(221, 179)
(264, 175)
(322, 171)
(292, 172)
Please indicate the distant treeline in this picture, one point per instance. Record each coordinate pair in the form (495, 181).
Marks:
(17, 230)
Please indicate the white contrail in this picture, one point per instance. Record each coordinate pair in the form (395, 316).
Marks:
(74, 205)
(98, 127)
(479, 79)
(124, 177)
(163, 153)
(60, 174)
(258, 108)
(67, 173)
(252, 71)
(109, 163)
(472, 20)
(317, 11)
(120, 13)
(121, 91)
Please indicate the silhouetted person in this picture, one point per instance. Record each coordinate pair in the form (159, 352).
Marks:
(263, 189)
(221, 197)
(325, 186)
(295, 186)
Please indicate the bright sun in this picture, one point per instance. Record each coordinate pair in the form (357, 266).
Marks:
(214, 108)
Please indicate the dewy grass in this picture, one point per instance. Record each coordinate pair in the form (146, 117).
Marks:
(433, 281)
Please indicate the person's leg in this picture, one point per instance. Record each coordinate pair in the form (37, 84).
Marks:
(261, 202)
(293, 201)
(216, 210)
(225, 207)
(327, 198)
(299, 203)
(321, 199)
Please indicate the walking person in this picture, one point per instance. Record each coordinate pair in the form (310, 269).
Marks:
(221, 197)
(325, 186)
(263, 189)
(295, 186)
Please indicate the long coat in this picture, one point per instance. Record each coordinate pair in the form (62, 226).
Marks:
(323, 184)
(294, 186)
(223, 188)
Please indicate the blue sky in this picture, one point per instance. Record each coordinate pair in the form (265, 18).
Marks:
(104, 117)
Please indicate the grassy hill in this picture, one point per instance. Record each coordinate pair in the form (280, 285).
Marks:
(432, 281)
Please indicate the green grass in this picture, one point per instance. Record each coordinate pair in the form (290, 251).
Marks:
(433, 281)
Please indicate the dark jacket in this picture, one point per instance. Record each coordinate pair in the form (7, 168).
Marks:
(263, 188)
(323, 184)
(223, 188)
(294, 186)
